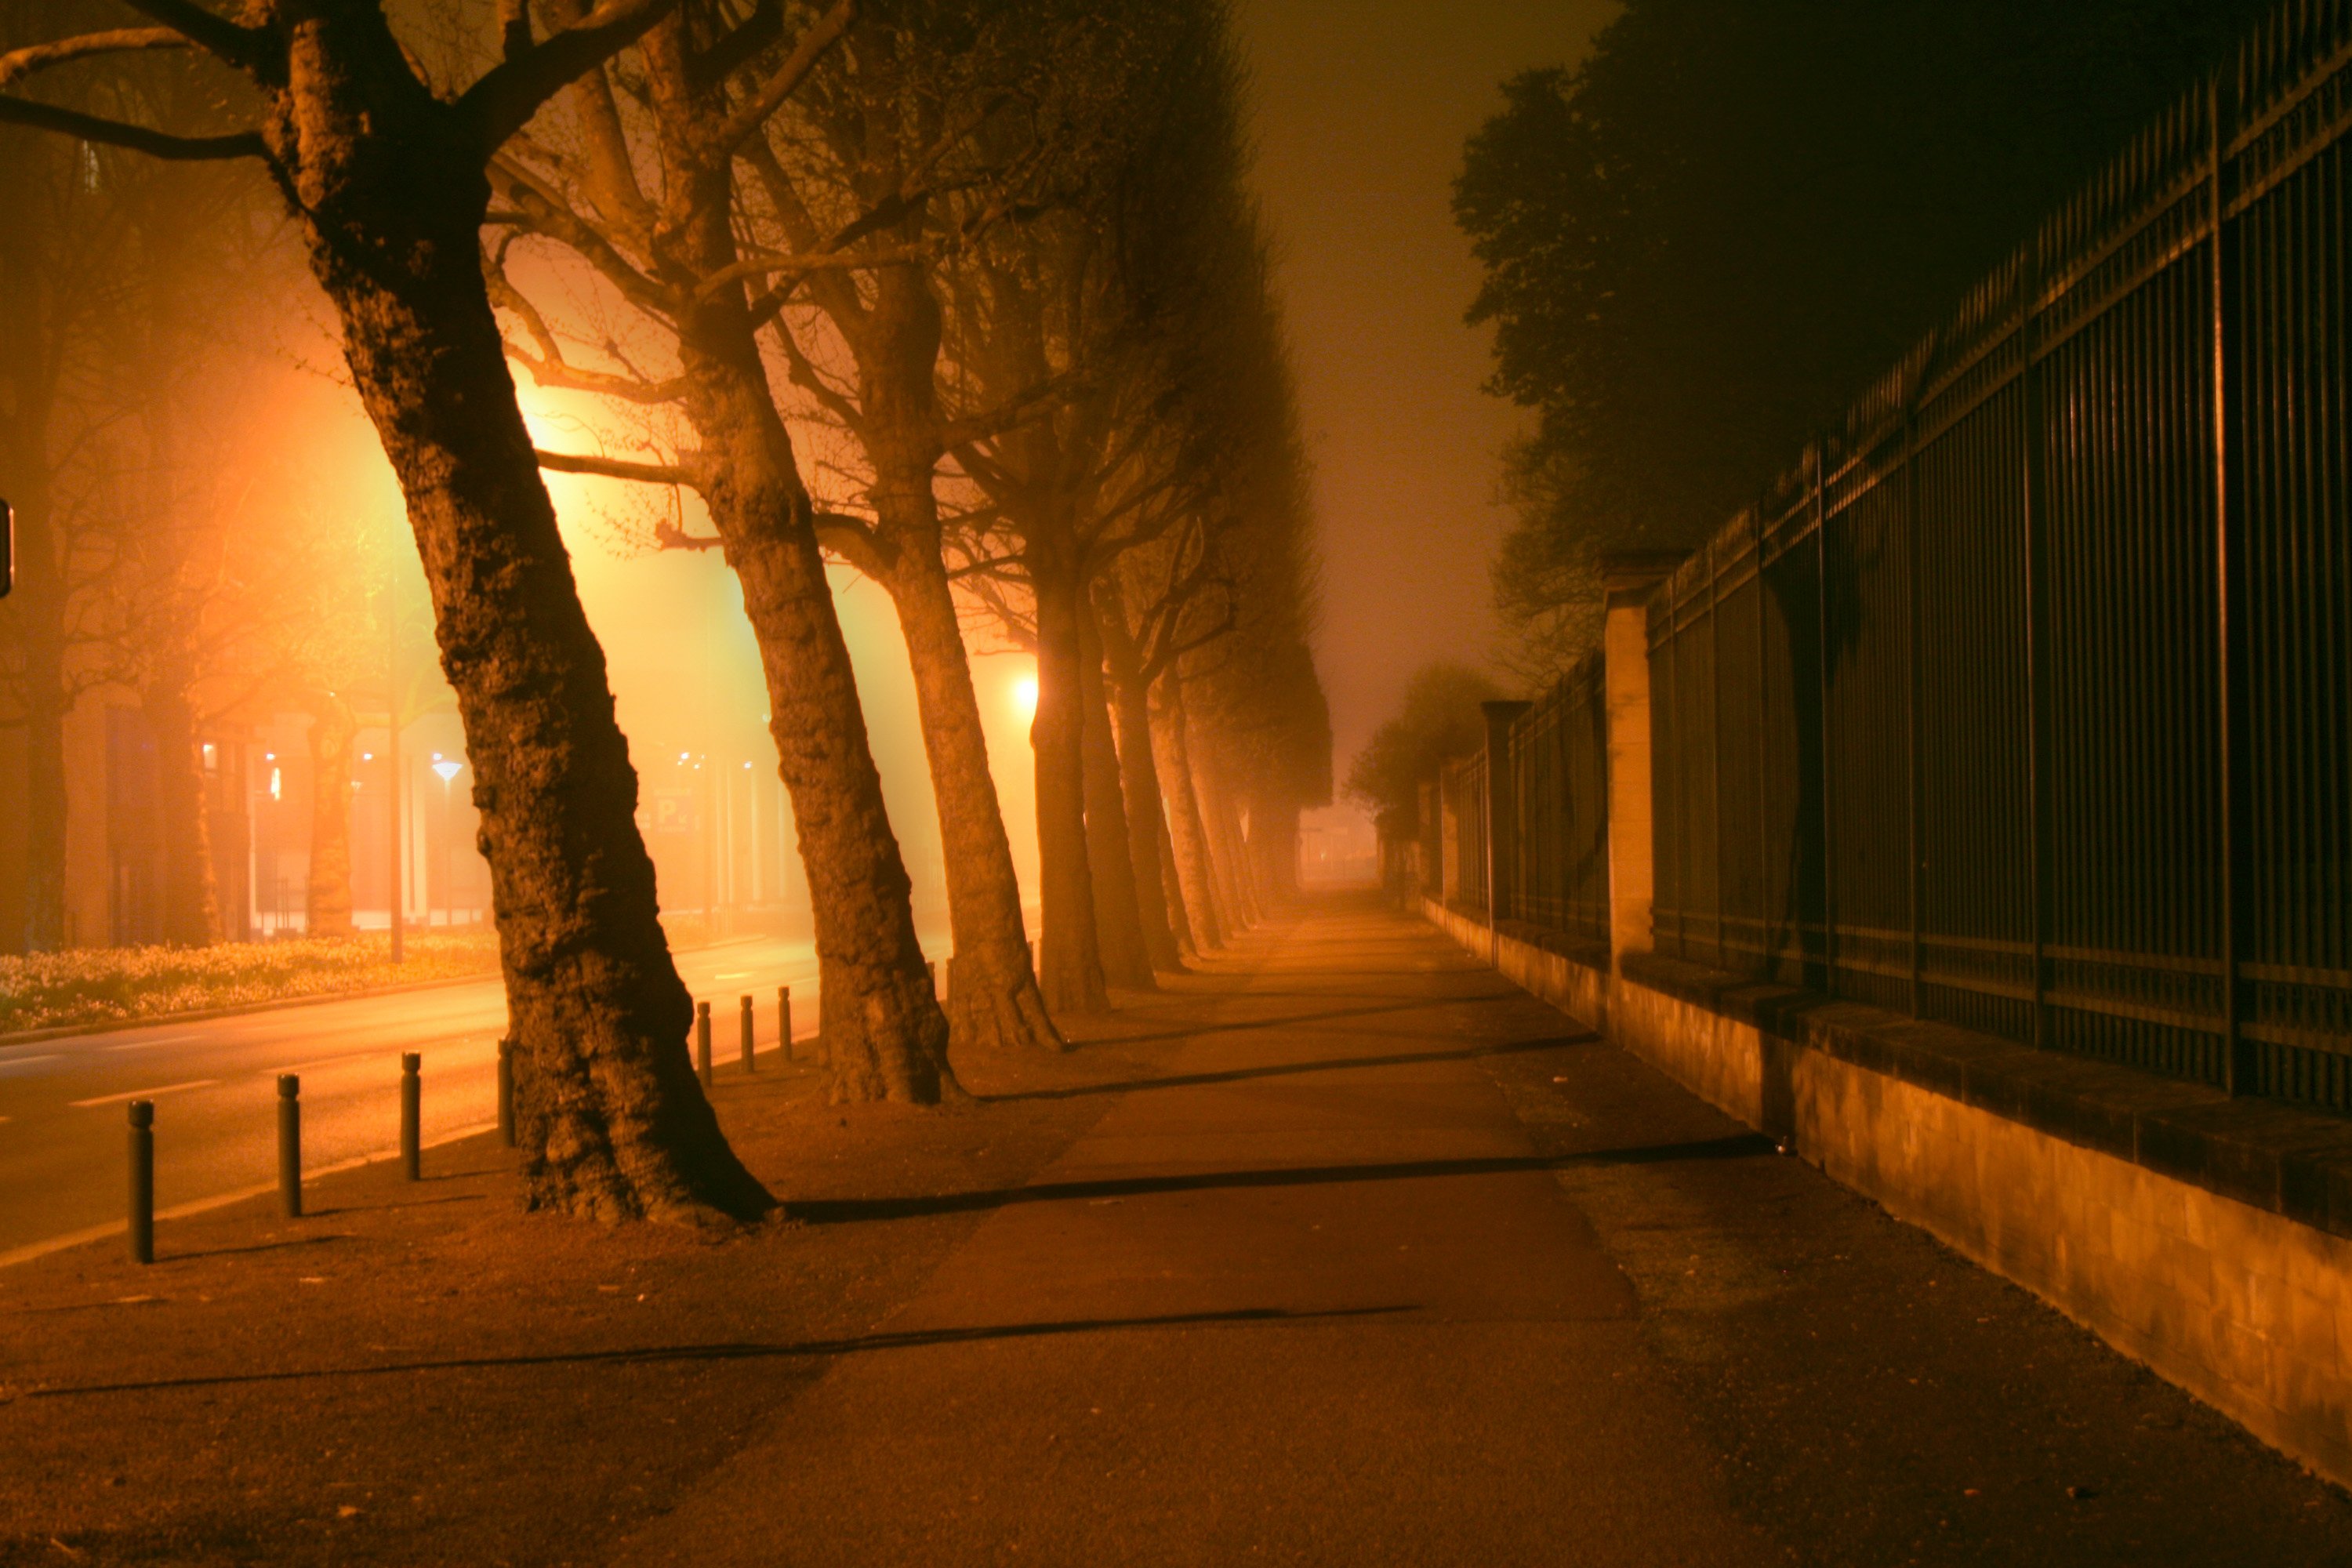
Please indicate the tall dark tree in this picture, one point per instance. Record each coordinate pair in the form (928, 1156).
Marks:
(383, 174)
(1701, 243)
(672, 255)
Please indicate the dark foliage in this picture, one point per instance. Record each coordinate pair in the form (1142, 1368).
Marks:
(1703, 242)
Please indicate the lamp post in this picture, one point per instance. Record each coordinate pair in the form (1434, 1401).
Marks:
(448, 770)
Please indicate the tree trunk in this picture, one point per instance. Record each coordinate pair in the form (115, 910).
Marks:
(39, 605)
(1126, 958)
(885, 1035)
(1224, 834)
(993, 1002)
(1070, 961)
(1187, 834)
(1147, 828)
(387, 184)
(1185, 946)
(191, 898)
(327, 897)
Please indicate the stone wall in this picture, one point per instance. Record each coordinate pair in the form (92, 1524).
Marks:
(2209, 1239)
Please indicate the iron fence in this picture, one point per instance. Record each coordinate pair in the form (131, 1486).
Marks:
(1559, 758)
(2023, 702)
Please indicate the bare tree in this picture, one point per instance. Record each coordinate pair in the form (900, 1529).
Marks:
(384, 176)
(707, 79)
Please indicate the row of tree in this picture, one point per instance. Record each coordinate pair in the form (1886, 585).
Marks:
(997, 256)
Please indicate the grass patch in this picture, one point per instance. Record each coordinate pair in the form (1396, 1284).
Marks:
(101, 985)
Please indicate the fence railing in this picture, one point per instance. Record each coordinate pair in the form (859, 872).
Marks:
(2025, 701)
(1559, 879)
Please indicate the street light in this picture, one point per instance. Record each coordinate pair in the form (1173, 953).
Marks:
(448, 770)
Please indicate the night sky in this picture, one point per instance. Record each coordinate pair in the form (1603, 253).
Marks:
(1362, 108)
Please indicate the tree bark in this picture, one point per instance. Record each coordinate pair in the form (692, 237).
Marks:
(1147, 827)
(1185, 946)
(1070, 961)
(1226, 855)
(1127, 957)
(993, 1001)
(327, 895)
(387, 182)
(1189, 834)
(885, 1035)
(191, 898)
(994, 1004)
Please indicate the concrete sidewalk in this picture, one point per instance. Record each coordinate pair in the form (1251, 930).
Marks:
(1313, 1296)
(1393, 1263)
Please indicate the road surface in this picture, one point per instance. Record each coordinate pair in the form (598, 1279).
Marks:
(213, 1084)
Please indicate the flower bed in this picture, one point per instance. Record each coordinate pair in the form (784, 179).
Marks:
(103, 986)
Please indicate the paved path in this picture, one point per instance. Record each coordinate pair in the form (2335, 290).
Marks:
(1313, 1296)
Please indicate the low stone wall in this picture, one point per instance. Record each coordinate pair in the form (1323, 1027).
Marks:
(2209, 1239)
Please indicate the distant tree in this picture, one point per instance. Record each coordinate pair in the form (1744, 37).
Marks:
(1702, 242)
(1439, 719)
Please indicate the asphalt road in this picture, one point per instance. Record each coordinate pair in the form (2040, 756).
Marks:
(214, 1083)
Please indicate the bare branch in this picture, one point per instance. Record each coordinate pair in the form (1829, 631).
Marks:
(216, 35)
(690, 470)
(754, 111)
(138, 137)
(40, 56)
(822, 261)
(506, 97)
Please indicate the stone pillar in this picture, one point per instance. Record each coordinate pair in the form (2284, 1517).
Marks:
(1502, 811)
(1629, 579)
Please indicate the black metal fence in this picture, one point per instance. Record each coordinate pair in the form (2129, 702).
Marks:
(1560, 794)
(2026, 703)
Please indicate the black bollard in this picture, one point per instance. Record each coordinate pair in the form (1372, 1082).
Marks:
(412, 1116)
(751, 1030)
(290, 1144)
(142, 1181)
(932, 969)
(702, 1041)
(784, 1020)
(506, 1093)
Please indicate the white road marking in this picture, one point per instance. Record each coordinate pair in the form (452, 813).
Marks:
(151, 1044)
(27, 1062)
(737, 975)
(143, 1094)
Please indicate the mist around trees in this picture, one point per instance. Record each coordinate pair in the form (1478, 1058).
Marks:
(966, 296)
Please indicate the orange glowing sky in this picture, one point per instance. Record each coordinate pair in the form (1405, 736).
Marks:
(1362, 107)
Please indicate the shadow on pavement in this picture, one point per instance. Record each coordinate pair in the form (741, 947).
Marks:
(845, 1211)
(1288, 1069)
(735, 1350)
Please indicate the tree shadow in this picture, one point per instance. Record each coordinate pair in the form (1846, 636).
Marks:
(1289, 1069)
(734, 1351)
(410, 1204)
(1290, 1019)
(851, 1211)
(260, 1245)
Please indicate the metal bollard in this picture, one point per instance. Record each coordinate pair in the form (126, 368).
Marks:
(290, 1144)
(751, 1031)
(784, 1020)
(142, 1181)
(506, 1093)
(702, 1041)
(412, 1116)
(932, 968)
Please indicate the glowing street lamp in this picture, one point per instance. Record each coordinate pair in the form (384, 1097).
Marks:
(447, 768)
